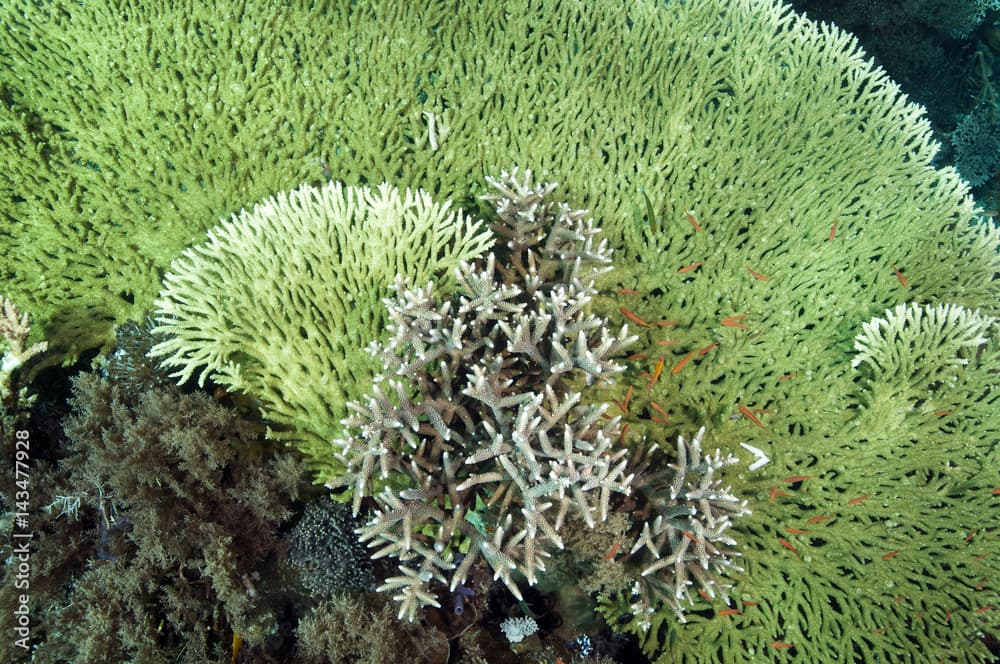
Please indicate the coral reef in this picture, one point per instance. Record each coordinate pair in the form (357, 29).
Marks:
(362, 629)
(15, 353)
(683, 543)
(976, 142)
(473, 432)
(768, 192)
(326, 551)
(119, 123)
(162, 540)
(281, 300)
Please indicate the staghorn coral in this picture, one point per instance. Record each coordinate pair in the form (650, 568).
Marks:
(16, 370)
(799, 160)
(684, 543)
(473, 439)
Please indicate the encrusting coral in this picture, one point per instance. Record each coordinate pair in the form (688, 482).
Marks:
(472, 441)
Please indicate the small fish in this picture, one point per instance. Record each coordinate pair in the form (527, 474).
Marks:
(611, 553)
(819, 519)
(747, 413)
(627, 291)
(656, 373)
(692, 266)
(632, 317)
(708, 348)
(237, 646)
(833, 230)
(788, 545)
(659, 409)
(797, 478)
(757, 275)
(729, 612)
(775, 492)
(781, 645)
(734, 321)
(796, 531)
(892, 554)
(902, 279)
(787, 376)
(680, 365)
(858, 500)
(694, 222)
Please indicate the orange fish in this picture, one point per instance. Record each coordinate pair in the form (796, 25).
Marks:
(708, 348)
(734, 321)
(747, 413)
(684, 360)
(656, 373)
(757, 275)
(902, 279)
(788, 545)
(818, 519)
(781, 645)
(632, 317)
(659, 409)
(688, 268)
(694, 222)
(858, 500)
(775, 492)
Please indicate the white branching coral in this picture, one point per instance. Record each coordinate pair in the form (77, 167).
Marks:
(473, 441)
(14, 330)
(683, 543)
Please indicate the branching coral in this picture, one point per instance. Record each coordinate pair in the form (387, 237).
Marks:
(15, 353)
(281, 300)
(684, 543)
(473, 440)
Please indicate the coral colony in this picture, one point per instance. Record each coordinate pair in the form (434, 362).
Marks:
(474, 442)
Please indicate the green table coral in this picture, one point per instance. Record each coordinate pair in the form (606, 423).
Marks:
(766, 189)
(283, 300)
